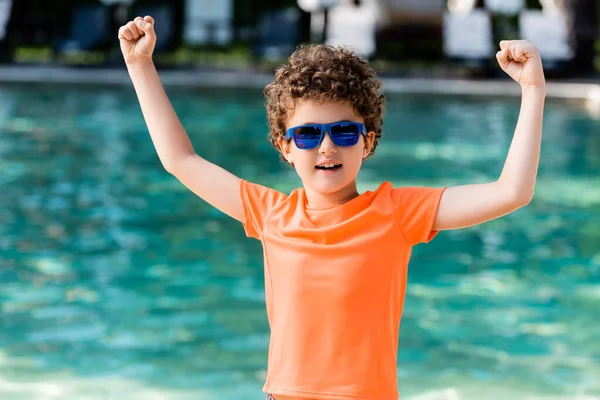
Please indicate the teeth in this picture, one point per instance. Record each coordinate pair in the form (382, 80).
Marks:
(327, 165)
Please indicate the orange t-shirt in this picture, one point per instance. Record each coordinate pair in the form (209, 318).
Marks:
(335, 281)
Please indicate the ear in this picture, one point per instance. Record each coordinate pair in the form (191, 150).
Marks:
(284, 147)
(368, 143)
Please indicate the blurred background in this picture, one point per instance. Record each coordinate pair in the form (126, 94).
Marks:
(118, 283)
(397, 35)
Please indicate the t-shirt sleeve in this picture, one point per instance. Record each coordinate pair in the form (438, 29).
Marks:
(258, 202)
(417, 208)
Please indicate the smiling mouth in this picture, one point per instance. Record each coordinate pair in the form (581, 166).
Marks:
(329, 167)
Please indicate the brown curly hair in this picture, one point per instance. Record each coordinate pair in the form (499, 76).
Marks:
(325, 73)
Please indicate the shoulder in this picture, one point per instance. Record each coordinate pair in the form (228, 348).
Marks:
(387, 189)
(259, 202)
(270, 198)
(410, 190)
(252, 188)
(403, 194)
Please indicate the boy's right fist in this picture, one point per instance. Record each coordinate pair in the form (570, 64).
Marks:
(137, 39)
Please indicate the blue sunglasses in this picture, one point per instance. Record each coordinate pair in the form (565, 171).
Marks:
(310, 136)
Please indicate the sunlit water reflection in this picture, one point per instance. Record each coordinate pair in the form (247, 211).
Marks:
(116, 282)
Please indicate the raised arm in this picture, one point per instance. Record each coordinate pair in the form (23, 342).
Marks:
(175, 151)
(469, 205)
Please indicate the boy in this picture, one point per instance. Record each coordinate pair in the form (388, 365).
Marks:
(336, 260)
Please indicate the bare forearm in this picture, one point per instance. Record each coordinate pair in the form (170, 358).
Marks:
(168, 135)
(521, 166)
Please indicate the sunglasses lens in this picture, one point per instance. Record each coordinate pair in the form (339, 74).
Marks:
(345, 134)
(307, 137)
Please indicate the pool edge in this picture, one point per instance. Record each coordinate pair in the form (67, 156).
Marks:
(256, 80)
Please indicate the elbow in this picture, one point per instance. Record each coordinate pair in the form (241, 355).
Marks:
(524, 201)
(173, 165)
(169, 167)
(521, 198)
(516, 195)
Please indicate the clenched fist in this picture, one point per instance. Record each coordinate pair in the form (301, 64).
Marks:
(137, 39)
(521, 60)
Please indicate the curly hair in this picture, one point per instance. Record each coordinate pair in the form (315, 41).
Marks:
(324, 73)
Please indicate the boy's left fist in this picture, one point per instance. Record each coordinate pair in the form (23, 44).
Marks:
(521, 60)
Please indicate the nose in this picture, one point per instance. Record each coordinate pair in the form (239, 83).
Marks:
(327, 146)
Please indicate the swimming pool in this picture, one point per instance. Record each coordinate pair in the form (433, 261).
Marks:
(115, 282)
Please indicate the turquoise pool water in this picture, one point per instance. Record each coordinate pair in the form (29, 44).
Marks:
(117, 283)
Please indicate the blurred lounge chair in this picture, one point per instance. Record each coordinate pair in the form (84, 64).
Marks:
(208, 22)
(89, 30)
(354, 27)
(5, 48)
(548, 30)
(278, 34)
(468, 36)
(5, 7)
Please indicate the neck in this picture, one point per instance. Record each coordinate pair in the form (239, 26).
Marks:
(318, 199)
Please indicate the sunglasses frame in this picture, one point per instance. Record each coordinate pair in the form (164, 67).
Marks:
(289, 134)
